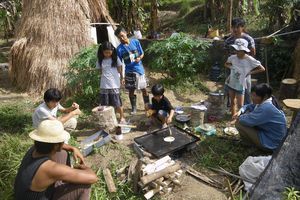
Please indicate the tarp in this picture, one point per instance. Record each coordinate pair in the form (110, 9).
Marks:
(283, 170)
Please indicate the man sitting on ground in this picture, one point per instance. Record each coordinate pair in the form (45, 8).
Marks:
(48, 110)
(44, 173)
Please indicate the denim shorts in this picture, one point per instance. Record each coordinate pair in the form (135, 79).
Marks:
(239, 92)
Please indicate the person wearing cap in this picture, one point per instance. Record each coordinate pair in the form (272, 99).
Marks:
(238, 31)
(44, 172)
(241, 65)
(130, 51)
(49, 108)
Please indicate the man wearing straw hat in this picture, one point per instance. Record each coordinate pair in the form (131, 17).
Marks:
(44, 173)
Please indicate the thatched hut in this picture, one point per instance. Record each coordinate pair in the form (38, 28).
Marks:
(49, 34)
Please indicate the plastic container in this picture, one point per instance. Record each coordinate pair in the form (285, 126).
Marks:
(88, 144)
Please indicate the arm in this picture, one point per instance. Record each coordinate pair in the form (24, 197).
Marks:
(82, 175)
(228, 65)
(71, 108)
(169, 120)
(256, 117)
(76, 153)
(140, 50)
(252, 51)
(256, 70)
(69, 115)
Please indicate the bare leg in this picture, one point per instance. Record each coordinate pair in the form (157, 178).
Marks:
(121, 112)
(240, 100)
(232, 101)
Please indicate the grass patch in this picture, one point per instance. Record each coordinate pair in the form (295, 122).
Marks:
(218, 152)
(12, 148)
(16, 117)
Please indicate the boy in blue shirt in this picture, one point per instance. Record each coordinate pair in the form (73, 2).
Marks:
(131, 52)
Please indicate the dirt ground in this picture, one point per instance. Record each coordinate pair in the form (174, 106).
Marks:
(190, 189)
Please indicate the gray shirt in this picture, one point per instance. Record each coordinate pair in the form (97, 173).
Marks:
(110, 78)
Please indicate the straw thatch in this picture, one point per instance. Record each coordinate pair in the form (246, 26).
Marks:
(50, 32)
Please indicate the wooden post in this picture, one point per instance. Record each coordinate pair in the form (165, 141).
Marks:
(288, 89)
(109, 181)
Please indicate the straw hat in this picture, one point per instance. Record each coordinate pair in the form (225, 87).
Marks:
(241, 44)
(50, 131)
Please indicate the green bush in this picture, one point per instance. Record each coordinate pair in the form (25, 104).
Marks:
(12, 148)
(82, 77)
(181, 57)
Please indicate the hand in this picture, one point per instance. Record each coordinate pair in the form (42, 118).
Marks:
(81, 166)
(75, 105)
(122, 81)
(169, 120)
(138, 59)
(76, 111)
(78, 156)
(235, 116)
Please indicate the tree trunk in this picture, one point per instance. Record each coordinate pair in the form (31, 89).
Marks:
(154, 17)
(229, 14)
(296, 61)
(48, 36)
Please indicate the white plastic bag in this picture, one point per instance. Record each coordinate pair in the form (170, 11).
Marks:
(251, 168)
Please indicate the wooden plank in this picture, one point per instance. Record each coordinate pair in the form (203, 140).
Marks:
(149, 178)
(204, 178)
(137, 175)
(109, 181)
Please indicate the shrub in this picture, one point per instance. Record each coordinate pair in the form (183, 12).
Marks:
(179, 56)
(82, 77)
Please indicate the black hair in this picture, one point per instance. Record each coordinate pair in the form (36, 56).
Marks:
(264, 91)
(52, 94)
(107, 46)
(43, 147)
(238, 22)
(157, 90)
(119, 30)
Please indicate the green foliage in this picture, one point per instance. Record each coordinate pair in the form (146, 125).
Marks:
(12, 148)
(83, 78)
(15, 118)
(181, 57)
(291, 193)
(185, 8)
(279, 60)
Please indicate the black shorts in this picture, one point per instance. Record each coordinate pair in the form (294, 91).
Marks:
(110, 97)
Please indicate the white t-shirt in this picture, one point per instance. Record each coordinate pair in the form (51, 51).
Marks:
(239, 69)
(42, 112)
(110, 78)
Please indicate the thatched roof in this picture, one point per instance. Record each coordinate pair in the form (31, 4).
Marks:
(49, 34)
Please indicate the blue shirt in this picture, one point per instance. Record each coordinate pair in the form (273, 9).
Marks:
(269, 120)
(128, 53)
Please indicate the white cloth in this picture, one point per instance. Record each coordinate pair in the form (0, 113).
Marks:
(110, 76)
(137, 34)
(141, 82)
(111, 36)
(43, 112)
(239, 69)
